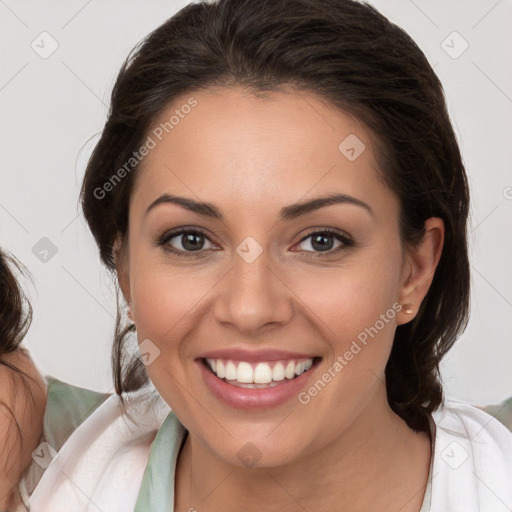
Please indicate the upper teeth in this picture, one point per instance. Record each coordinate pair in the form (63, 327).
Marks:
(261, 373)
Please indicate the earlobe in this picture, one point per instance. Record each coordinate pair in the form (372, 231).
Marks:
(420, 265)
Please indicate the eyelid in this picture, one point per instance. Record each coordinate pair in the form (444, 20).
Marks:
(170, 233)
(332, 231)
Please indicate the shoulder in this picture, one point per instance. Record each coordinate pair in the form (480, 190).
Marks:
(67, 406)
(501, 411)
(475, 422)
(473, 429)
(472, 467)
(85, 429)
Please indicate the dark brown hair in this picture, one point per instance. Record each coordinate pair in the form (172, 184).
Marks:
(15, 320)
(352, 56)
(15, 309)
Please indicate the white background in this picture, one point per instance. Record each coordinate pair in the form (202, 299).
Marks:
(50, 109)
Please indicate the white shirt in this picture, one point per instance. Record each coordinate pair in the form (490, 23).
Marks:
(109, 464)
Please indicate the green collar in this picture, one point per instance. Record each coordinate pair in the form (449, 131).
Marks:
(157, 488)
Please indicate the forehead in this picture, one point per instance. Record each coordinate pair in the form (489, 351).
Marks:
(235, 146)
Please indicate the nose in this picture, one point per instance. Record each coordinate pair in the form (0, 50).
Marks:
(253, 296)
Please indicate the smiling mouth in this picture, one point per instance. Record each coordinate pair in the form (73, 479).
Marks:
(259, 375)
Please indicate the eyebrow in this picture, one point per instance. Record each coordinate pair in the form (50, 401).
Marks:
(287, 213)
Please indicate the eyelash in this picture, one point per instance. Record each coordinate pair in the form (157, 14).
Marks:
(340, 236)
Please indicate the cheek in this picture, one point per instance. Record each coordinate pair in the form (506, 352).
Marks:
(347, 300)
(166, 302)
(355, 309)
(164, 296)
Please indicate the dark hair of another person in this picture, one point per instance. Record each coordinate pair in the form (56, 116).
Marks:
(344, 52)
(15, 309)
(15, 320)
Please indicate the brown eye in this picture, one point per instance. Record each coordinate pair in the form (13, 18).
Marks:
(185, 242)
(324, 241)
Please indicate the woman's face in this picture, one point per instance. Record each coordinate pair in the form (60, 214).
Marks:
(258, 281)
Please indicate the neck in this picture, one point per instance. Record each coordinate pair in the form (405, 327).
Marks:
(378, 463)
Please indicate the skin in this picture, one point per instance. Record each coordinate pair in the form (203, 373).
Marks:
(16, 407)
(251, 156)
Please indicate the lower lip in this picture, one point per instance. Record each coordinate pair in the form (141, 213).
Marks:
(247, 398)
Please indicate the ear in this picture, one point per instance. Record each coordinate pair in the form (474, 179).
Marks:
(420, 263)
(121, 261)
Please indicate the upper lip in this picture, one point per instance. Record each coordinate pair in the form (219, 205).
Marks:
(260, 355)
